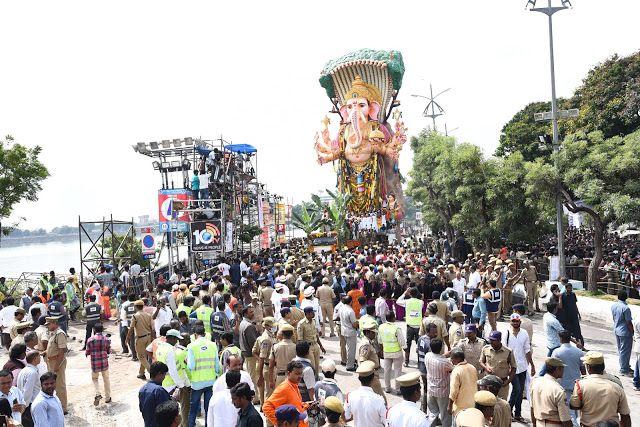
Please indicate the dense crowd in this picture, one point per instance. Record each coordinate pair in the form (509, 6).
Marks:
(248, 337)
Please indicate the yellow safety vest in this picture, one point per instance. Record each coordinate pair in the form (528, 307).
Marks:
(205, 353)
(387, 333)
(184, 308)
(204, 313)
(414, 312)
(181, 361)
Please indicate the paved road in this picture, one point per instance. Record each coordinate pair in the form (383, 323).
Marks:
(597, 338)
(124, 409)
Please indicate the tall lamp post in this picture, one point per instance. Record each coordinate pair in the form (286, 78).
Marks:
(549, 10)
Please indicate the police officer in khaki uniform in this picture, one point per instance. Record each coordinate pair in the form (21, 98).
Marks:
(498, 360)
(142, 324)
(296, 314)
(264, 295)
(282, 353)
(597, 396)
(57, 357)
(262, 350)
(501, 410)
(478, 416)
(326, 295)
(307, 332)
(530, 276)
(456, 330)
(548, 398)
(369, 351)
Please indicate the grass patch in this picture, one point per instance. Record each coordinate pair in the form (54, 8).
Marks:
(606, 297)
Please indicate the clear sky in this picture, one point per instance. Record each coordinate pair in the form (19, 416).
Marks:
(85, 80)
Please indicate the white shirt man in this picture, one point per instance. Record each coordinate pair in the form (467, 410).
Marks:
(366, 407)
(381, 309)
(134, 270)
(7, 314)
(221, 382)
(520, 344)
(163, 318)
(223, 268)
(221, 410)
(29, 383)
(14, 396)
(474, 280)
(458, 284)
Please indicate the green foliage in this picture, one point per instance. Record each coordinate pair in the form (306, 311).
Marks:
(21, 174)
(249, 232)
(461, 191)
(307, 217)
(337, 214)
(609, 97)
(522, 132)
(126, 246)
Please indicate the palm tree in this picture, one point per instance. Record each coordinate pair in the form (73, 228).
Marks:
(337, 214)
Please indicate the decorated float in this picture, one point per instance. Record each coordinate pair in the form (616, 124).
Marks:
(363, 87)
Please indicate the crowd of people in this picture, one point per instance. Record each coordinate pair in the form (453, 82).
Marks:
(245, 345)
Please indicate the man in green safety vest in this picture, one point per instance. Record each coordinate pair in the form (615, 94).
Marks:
(203, 367)
(392, 339)
(186, 306)
(175, 360)
(204, 313)
(413, 307)
(228, 349)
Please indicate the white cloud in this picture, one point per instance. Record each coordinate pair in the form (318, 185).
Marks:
(85, 80)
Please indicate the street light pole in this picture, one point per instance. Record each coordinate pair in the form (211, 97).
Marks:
(549, 11)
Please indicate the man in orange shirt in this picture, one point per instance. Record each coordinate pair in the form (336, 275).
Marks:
(287, 393)
(355, 295)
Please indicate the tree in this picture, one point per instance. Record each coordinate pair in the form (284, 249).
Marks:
(430, 180)
(608, 100)
(21, 175)
(609, 97)
(306, 217)
(125, 246)
(522, 133)
(597, 176)
(336, 213)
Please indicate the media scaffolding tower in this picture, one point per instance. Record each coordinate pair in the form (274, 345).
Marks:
(212, 218)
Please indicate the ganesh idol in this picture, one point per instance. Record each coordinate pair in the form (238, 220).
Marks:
(364, 148)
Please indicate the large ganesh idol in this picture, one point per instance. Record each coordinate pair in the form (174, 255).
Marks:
(363, 87)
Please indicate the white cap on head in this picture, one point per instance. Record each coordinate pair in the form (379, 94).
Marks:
(328, 365)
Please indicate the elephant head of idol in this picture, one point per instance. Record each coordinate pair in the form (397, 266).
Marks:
(361, 105)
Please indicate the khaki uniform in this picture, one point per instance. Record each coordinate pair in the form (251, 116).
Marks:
(296, 316)
(472, 352)
(56, 351)
(531, 287)
(443, 310)
(262, 349)
(264, 296)
(501, 413)
(549, 400)
(599, 399)
(366, 352)
(456, 333)
(527, 325)
(142, 324)
(501, 361)
(441, 326)
(282, 322)
(282, 353)
(307, 332)
(508, 290)
(258, 315)
(325, 297)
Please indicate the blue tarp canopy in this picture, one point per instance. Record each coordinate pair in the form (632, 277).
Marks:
(234, 148)
(241, 148)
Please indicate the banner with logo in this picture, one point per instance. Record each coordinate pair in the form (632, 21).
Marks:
(206, 236)
(170, 203)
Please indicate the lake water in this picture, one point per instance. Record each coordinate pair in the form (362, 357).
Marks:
(39, 257)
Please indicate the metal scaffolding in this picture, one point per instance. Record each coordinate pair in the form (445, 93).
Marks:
(97, 236)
